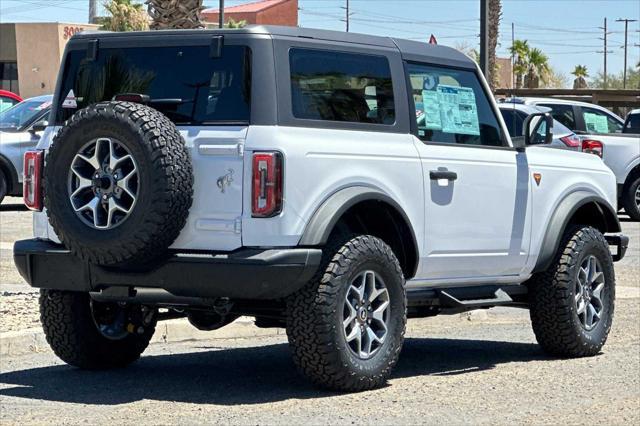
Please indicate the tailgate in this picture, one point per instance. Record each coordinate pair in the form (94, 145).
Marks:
(214, 221)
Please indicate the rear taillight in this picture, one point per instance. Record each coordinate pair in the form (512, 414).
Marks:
(32, 183)
(572, 141)
(592, 147)
(266, 194)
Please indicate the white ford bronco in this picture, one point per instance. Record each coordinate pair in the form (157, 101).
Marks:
(333, 184)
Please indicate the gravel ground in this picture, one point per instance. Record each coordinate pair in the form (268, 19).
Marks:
(453, 369)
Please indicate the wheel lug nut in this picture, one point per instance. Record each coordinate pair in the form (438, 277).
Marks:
(105, 196)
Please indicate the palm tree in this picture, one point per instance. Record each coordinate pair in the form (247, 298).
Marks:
(232, 23)
(495, 15)
(580, 72)
(182, 14)
(538, 68)
(520, 50)
(124, 16)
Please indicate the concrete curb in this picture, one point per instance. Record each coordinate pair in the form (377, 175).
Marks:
(32, 340)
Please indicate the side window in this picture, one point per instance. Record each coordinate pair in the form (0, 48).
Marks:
(340, 86)
(452, 107)
(563, 114)
(514, 121)
(597, 121)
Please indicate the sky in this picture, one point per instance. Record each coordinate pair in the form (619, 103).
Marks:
(568, 31)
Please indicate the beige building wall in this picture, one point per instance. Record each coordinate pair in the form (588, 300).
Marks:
(39, 48)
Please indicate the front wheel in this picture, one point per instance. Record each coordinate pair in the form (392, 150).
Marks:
(572, 303)
(346, 327)
(94, 335)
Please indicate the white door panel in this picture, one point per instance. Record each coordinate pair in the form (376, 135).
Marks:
(215, 217)
(476, 225)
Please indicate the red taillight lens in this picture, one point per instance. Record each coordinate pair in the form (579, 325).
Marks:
(592, 147)
(32, 183)
(266, 196)
(572, 141)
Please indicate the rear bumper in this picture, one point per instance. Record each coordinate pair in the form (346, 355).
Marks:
(621, 242)
(244, 274)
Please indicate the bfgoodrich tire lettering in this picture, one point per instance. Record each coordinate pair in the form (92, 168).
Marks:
(164, 186)
(555, 307)
(315, 317)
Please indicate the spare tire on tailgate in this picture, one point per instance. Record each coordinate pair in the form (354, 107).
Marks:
(118, 183)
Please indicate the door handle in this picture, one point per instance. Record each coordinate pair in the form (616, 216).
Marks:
(442, 174)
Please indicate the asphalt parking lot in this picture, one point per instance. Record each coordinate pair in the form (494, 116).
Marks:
(453, 369)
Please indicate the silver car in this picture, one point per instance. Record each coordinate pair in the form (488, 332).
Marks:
(514, 115)
(20, 129)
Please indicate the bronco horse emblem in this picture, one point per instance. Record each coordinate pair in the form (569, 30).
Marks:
(225, 180)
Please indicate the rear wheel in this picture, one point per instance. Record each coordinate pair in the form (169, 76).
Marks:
(95, 335)
(631, 199)
(572, 303)
(346, 327)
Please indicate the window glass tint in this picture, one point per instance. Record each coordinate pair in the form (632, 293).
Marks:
(633, 123)
(452, 107)
(185, 83)
(514, 121)
(339, 86)
(597, 121)
(562, 114)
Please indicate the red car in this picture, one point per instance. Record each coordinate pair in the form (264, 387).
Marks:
(8, 99)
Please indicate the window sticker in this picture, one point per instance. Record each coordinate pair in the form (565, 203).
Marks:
(596, 123)
(70, 100)
(458, 110)
(432, 110)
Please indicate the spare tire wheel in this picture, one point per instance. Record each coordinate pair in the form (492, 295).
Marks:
(118, 183)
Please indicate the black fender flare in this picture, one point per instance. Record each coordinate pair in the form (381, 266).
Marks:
(560, 220)
(11, 174)
(326, 216)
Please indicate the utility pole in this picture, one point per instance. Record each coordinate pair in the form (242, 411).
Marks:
(513, 56)
(605, 51)
(626, 31)
(346, 16)
(484, 38)
(92, 11)
(221, 14)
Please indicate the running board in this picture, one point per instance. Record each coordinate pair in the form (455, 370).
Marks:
(500, 297)
(450, 300)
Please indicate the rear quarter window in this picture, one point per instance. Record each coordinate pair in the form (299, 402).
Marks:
(340, 86)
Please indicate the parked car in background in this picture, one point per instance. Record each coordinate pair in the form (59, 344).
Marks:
(514, 116)
(20, 131)
(601, 133)
(632, 123)
(580, 117)
(8, 99)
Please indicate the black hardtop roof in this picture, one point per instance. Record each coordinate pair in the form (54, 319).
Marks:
(411, 50)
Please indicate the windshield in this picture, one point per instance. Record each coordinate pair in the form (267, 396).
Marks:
(185, 83)
(22, 114)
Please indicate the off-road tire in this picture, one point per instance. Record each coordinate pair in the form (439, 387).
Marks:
(552, 306)
(72, 334)
(3, 186)
(165, 182)
(628, 198)
(314, 317)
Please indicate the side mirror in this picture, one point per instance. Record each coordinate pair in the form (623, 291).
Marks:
(39, 126)
(537, 129)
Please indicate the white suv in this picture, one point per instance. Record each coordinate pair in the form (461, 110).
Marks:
(333, 184)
